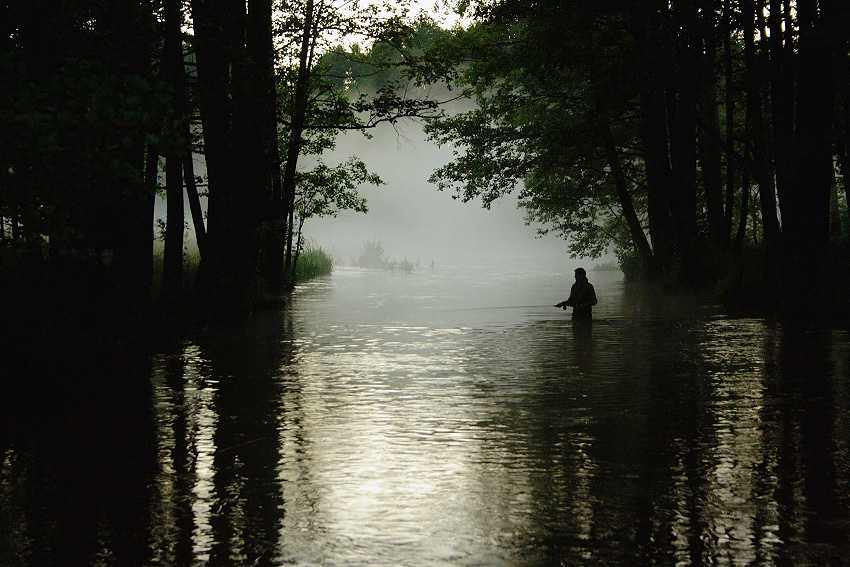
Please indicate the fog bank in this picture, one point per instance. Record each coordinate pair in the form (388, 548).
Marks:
(413, 219)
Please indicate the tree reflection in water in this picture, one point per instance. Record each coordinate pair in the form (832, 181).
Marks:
(216, 404)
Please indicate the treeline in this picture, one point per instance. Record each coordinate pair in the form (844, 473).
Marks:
(105, 104)
(705, 140)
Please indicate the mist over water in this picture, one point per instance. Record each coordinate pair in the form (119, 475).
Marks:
(410, 217)
(413, 219)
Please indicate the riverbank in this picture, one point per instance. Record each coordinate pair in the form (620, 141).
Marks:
(35, 329)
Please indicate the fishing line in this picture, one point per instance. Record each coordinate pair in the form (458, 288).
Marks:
(492, 308)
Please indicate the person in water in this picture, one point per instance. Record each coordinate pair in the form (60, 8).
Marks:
(582, 297)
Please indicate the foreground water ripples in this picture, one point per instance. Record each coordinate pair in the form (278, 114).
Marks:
(454, 418)
(422, 437)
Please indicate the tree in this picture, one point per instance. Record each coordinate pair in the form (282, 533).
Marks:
(607, 117)
(325, 191)
(79, 109)
(235, 90)
(806, 46)
(173, 71)
(325, 90)
(556, 112)
(95, 93)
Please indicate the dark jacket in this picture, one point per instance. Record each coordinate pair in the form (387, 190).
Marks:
(582, 299)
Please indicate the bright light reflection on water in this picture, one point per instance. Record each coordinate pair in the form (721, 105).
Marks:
(452, 417)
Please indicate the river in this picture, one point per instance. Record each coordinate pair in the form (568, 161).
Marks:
(448, 417)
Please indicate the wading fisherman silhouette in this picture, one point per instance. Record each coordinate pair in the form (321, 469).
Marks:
(582, 298)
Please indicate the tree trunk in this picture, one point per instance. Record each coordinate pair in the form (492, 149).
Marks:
(653, 132)
(758, 151)
(189, 174)
(683, 139)
(224, 276)
(261, 49)
(805, 181)
(233, 63)
(709, 150)
(299, 120)
(635, 229)
(194, 200)
(174, 74)
(731, 158)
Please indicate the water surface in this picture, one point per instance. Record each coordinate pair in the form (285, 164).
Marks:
(450, 417)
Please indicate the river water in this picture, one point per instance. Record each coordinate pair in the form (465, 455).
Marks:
(449, 417)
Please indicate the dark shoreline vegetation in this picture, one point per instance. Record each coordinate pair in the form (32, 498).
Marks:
(706, 147)
(34, 332)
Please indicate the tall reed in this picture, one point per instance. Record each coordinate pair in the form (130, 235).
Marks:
(313, 262)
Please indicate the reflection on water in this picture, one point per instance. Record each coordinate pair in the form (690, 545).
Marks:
(450, 417)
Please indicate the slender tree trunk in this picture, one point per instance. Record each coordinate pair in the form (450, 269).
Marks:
(261, 49)
(299, 120)
(731, 159)
(781, 78)
(173, 72)
(635, 229)
(250, 182)
(683, 139)
(194, 201)
(709, 150)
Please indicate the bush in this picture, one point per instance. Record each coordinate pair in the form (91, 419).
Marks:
(372, 257)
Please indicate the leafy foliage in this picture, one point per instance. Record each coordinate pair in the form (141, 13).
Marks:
(325, 191)
(65, 141)
(534, 126)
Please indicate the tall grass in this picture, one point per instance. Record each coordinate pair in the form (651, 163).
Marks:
(313, 262)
